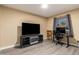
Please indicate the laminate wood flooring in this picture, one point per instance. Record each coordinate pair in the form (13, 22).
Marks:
(44, 48)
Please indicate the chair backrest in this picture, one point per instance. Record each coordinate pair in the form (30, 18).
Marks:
(59, 33)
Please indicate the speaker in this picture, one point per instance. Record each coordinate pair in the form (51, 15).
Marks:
(40, 38)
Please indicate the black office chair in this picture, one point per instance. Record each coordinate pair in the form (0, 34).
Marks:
(59, 37)
(59, 34)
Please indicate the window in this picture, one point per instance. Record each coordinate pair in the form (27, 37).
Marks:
(64, 21)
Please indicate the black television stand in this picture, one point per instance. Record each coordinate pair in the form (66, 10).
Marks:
(28, 40)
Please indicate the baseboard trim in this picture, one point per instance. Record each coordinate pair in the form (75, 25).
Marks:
(11, 46)
(3, 48)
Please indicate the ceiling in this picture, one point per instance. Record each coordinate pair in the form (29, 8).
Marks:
(36, 9)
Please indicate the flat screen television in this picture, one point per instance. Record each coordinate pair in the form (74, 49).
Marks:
(30, 28)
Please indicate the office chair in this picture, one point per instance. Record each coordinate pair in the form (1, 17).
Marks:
(59, 33)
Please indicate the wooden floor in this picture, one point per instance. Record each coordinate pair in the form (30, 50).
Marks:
(45, 48)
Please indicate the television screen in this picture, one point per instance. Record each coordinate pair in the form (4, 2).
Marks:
(29, 28)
